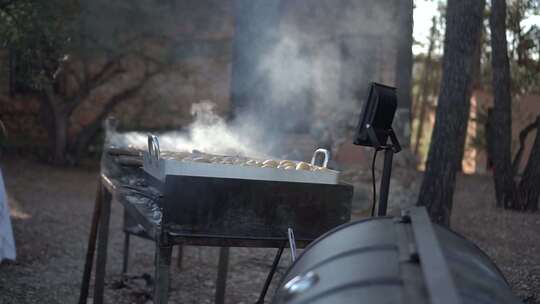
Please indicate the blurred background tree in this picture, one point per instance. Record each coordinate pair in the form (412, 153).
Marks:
(462, 33)
(512, 191)
(523, 53)
(66, 54)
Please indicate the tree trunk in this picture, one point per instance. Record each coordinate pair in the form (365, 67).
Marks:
(421, 120)
(55, 120)
(425, 87)
(463, 27)
(529, 191)
(83, 139)
(404, 61)
(501, 128)
(475, 82)
(60, 139)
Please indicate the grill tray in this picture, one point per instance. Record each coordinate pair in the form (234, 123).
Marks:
(160, 167)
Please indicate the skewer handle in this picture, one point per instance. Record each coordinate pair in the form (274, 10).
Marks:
(153, 147)
(326, 158)
(292, 243)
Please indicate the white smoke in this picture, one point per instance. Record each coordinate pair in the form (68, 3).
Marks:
(317, 71)
(208, 133)
(287, 69)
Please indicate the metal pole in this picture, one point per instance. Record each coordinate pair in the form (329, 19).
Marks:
(125, 261)
(103, 238)
(385, 181)
(270, 275)
(89, 262)
(180, 257)
(221, 281)
(162, 268)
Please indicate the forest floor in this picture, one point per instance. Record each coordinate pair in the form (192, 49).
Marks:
(51, 212)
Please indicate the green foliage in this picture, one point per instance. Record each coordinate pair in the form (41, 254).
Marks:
(40, 35)
(524, 46)
(524, 55)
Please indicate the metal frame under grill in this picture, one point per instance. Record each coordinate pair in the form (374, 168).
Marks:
(205, 211)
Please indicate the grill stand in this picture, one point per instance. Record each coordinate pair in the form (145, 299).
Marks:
(91, 246)
(389, 150)
(162, 272)
(99, 235)
(103, 239)
(126, 254)
(270, 275)
(221, 281)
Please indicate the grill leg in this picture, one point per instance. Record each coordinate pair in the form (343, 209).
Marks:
(126, 254)
(221, 281)
(270, 276)
(89, 262)
(163, 263)
(103, 238)
(180, 257)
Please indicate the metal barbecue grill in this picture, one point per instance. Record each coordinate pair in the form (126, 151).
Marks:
(172, 201)
(246, 202)
(189, 203)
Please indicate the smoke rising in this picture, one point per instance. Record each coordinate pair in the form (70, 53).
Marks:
(314, 63)
(208, 133)
(298, 67)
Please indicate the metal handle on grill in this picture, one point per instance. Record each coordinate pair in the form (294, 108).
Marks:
(153, 147)
(292, 243)
(326, 157)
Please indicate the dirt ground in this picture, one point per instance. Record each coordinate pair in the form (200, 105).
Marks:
(51, 216)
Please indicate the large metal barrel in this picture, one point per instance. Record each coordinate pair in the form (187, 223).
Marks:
(398, 260)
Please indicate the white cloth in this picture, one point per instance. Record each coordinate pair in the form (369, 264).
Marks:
(7, 243)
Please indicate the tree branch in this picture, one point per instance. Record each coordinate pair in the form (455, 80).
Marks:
(83, 138)
(108, 72)
(108, 67)
(528, 185)
(522, 137)
(76, 76)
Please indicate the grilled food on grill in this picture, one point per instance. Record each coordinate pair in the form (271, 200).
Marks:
(201, 157)
(270, 163)
(303, 166)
